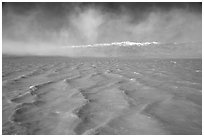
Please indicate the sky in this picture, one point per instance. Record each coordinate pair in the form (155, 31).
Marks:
(30, 28)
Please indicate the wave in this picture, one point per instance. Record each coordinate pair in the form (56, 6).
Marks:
(126, 43)
(129, 43)
(29, 95)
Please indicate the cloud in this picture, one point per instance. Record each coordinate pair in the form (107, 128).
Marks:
(87, 23)
(46, 26)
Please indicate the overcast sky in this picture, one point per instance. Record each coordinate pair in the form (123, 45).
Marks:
(34, 26)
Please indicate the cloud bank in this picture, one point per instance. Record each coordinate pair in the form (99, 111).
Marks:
(37, 28)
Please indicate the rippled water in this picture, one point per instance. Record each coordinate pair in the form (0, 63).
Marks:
(59, 95)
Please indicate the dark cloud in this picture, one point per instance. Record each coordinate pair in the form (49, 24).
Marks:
(59, 9)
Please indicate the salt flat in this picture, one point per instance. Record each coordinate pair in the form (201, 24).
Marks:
(61, 95)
